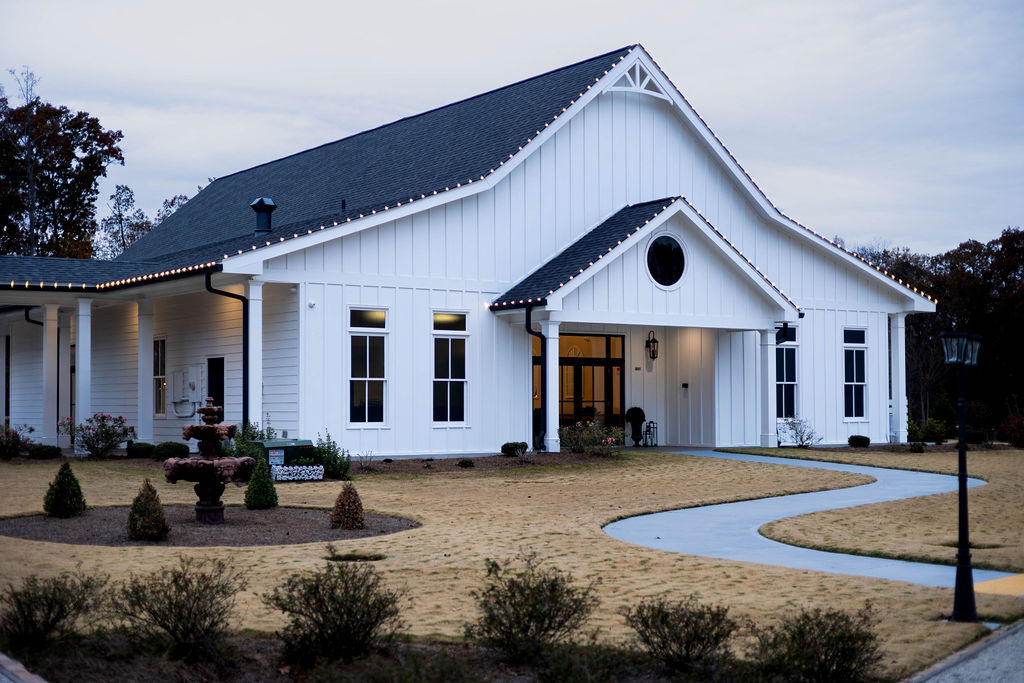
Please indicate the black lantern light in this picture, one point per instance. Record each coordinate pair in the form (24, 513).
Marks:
(652, 346)
(961, 349)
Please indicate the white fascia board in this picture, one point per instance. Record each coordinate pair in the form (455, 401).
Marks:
(918, 302)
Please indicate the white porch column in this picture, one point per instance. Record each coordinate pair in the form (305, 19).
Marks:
(898, 375)
(64, 372)
(3, 375)
(83, 361)
(144, 322)
(549, 328)
(769, 435)
(254, 292)
(50, 363)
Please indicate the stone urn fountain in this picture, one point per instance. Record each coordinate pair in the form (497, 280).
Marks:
(208, 471)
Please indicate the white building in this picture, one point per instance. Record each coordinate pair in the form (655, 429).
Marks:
(392, 299)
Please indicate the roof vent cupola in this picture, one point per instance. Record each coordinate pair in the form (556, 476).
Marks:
(263, 206)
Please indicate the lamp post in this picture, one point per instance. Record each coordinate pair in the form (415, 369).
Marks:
(962, 349)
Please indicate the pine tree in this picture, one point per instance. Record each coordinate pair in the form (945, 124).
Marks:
(260, 494)
(348, 509)
(64, 497)
(146, 518)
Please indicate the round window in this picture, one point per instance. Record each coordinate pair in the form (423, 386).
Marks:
(665, 260)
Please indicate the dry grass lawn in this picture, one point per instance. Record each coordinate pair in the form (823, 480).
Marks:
(557, 512)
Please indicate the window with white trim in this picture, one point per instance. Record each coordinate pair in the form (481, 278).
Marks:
(854, 373)
(159, 376)
(367, 367)
(449, 367)
(785, 372)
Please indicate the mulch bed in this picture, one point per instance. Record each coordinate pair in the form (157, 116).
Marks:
(487, 462)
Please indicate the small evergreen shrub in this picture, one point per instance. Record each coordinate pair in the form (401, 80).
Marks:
(466, 462)
(687, 636)
(260, 493)
(170, 449)
(44, 451)
(141, 449)
(819, 645)
(513, 449)
(146, 520)
(339, 612)
(348, 509)
(13, 440)
(859, 441)
(99, 434)
(934, 431)
(64, 497)
(528, 609)
(183, 609)
(917, 447)
(913, 431)
(336, 461)
(42, 610)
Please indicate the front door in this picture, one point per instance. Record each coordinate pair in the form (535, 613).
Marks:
(590, 387)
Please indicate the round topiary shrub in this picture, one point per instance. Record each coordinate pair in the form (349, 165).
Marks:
(260, 494)
(170, 449)
(917, 447)
(465, 462)
(64, 497)
(140, 449)
(44, 451)
(859, 441)
(348, 509)
(146, 517)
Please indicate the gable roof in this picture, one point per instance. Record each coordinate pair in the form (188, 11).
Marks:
(452, 145)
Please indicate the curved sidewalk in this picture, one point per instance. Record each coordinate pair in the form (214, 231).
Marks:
(729, 531)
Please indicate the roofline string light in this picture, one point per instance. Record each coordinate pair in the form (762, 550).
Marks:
(137, 279)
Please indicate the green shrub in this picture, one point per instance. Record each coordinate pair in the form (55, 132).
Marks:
(42, 610)
(348, 509)
(247, 440)
(336, 461)
(183, 609)
(466, 462)
(513, 449)
(141, 449)
(338, 612)
(916, 447)
(44, 451)
(64, 497)
(859, 441)
(913, 431)
(260, 493)
(99, 434)
(934, 431)
(170, 449)
(819, 645)
(146, 520)
(686, 636)
(525, 610)
(590, 437)
(13, 440)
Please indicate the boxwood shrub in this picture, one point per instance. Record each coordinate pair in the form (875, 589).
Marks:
(170, 449)
(140, 449)
(859, 441)
(44, 451)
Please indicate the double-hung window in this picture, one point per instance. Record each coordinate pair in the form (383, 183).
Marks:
(159, 376)
(449, 367)
(785, 372)
(367, 369)
(854, 373)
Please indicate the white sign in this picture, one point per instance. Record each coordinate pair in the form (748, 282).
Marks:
(276, 456)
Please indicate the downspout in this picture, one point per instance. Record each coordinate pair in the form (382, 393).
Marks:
(30, 320)
(543, 377)
(245, 343)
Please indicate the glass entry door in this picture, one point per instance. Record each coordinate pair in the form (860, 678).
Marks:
(590, 387)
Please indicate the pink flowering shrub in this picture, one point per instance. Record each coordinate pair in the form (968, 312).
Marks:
(13, 440)
(590, 437)
(99, 434)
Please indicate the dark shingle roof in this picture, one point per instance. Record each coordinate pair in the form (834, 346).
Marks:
(382, 166)
(574, 260)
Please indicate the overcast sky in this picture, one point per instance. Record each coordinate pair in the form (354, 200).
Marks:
(899, 122)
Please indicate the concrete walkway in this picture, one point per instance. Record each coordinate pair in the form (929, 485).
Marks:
(730, 531)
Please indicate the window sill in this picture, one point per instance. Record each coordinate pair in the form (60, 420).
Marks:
(855, 420)
(450, 425)
(367, 425)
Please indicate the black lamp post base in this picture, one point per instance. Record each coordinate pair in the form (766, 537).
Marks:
(963, 598)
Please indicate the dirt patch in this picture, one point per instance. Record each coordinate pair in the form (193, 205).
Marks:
(242, 527)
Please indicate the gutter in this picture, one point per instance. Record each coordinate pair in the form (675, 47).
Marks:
(539, 438)
(245, 343)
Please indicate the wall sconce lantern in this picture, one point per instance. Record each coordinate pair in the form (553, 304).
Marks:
(651, 345)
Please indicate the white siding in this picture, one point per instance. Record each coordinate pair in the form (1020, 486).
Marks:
(114, 362)
(26, 375)
(737, 378)
(281, 358)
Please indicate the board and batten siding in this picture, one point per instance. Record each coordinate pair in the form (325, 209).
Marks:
(281, 359)
(26, 375)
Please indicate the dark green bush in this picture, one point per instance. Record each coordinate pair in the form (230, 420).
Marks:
(42, 610)
(141, 449)
(819, 645)
(170, 449)
(348, 509)
(64, 497)
(339, 612)
(260, 493)
(466, 462)
(525, 610)
(934, 431)
(44, 451)
(146, 520)
(336, 460)
(913, 431)
(916, 447)
(248, 438)
(182, 609)
(859, 441)
(513, 449)
(686, 636)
